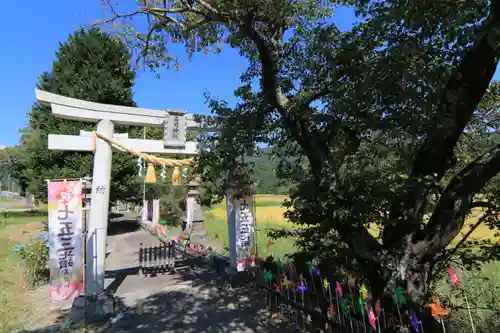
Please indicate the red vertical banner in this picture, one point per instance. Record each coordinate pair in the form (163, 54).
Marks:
(65, 239)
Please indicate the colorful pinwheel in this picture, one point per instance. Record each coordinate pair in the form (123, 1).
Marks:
(436, 310)
(399, 296)
(268, 276)
(302, 287)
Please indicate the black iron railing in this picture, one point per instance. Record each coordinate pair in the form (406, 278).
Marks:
(157, 259)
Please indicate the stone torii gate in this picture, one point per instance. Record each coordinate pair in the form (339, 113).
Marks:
(175, 124)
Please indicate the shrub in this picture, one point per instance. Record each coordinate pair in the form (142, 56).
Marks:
(35, 255)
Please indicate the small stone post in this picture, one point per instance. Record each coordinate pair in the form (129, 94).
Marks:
(194, 214)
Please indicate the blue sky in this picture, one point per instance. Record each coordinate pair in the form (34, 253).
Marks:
(31, 36)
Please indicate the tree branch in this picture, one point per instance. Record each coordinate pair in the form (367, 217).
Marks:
(360, 241)
(317, 94)
(461, 97)
(299, 125)
(449, 216)
(480, 221)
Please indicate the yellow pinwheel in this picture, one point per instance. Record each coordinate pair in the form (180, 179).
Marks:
(364, 292)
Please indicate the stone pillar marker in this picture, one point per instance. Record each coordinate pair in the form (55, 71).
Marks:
(99, 205)
(241, 231)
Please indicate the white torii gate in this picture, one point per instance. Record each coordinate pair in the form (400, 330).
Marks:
(175, 124)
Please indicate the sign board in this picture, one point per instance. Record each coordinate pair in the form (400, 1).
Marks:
(174, 130)
(65, 239)
(244, 232)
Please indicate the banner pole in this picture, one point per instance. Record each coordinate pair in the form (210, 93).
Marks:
(85, 210)
(84, 236)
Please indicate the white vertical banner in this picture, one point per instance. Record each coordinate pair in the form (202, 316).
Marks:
(144, 211)
(156, 211)
(244, 232)
(65, 239)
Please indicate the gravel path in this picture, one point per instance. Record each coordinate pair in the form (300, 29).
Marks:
(194, 299)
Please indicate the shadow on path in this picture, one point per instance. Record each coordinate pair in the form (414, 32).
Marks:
(193, 299)
(119, 227)
(196, 300)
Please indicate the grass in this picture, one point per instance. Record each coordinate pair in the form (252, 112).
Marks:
(14, 227)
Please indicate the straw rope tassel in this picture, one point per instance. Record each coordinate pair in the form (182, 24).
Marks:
(150, 174)
(176, 176)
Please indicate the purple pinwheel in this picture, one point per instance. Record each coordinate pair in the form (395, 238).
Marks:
(301, 287)
(414, 321)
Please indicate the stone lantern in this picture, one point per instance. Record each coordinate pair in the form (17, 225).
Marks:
(193, 220)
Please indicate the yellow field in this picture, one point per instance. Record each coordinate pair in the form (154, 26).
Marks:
(268, 209)
(270, 212)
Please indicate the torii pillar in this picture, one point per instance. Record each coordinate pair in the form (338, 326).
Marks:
(99, 211)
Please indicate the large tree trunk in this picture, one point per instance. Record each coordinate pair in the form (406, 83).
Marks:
(397, 317)
(435, 157)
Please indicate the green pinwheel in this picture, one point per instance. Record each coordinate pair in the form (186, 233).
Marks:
(399, 295)
(344, 306)
(268, 276)
(361, 304)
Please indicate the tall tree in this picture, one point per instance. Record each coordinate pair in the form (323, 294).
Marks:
(90, 66)
(380, 119)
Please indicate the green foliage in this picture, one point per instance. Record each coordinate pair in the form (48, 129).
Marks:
(264, 174)
(89, 66)
(171, 204)
(482, 291)
(35, 255)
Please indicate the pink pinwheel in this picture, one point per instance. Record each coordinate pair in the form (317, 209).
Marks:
(338, 287)
(371, 319)
(453, 276)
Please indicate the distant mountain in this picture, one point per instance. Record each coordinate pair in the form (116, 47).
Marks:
(265, 173)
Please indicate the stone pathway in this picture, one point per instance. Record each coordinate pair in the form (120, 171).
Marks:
(14, 205)
(192, 300)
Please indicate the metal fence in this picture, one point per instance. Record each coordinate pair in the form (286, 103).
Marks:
(157, 259)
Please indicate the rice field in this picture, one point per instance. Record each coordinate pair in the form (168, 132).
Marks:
(269, 214)
(268, 209)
